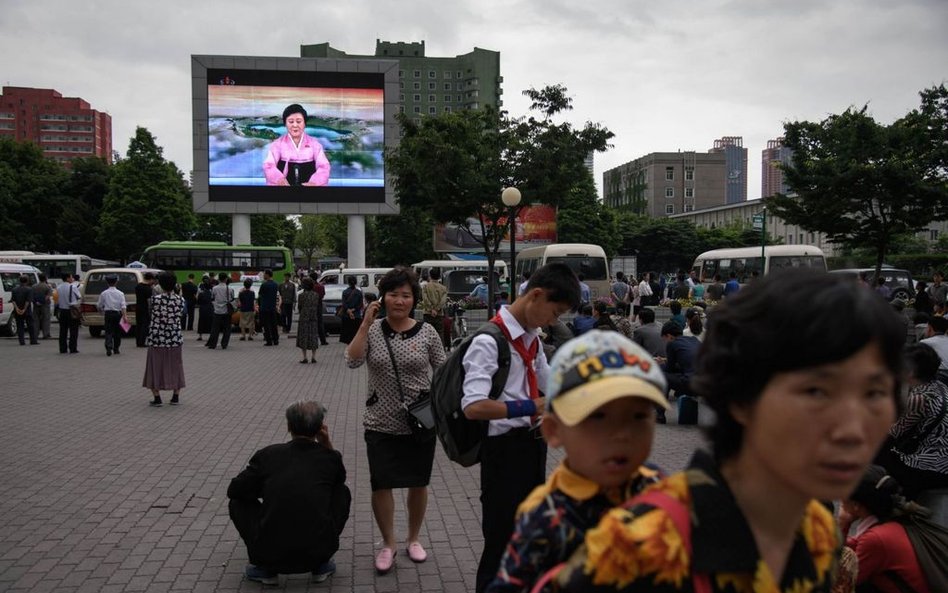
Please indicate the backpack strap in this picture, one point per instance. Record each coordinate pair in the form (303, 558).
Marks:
(503, 358)
(678, 513)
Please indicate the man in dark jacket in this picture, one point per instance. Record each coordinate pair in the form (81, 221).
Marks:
(305, 501)
(143, 291)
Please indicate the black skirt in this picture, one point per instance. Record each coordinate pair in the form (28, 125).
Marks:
(398, 460)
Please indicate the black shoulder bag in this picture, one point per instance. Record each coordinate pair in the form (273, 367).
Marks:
(418, 414)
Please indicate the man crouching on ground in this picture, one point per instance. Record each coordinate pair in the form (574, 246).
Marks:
(305, 501)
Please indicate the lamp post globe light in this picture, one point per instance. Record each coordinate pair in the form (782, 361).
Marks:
(511, 198)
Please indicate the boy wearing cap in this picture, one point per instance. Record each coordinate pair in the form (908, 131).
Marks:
(513, 456)
(601, 398)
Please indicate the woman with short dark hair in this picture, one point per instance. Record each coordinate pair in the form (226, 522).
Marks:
(307, 328)
(401, 355)
(296, 158)
(164, 368)
(802, 400)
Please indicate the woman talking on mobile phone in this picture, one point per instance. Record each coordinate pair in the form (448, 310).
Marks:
(401, 354)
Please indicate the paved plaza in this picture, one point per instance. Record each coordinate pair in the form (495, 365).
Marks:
(101, 492)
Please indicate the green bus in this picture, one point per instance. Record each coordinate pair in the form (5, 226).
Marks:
(213, 257)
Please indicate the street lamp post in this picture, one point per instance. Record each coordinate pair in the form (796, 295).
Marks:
(511, 199)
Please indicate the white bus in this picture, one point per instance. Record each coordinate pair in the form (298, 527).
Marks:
(744, 261)
(54, 266)
(447, 265)
(13, 257)
(583, 258)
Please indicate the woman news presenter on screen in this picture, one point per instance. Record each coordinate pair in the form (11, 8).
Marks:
(296, 158)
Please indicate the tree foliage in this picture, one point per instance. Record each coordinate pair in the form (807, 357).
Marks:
(582, 218)
(77, 226)
(272, 229)
(455, 165)
(864, 184)
(31, 197)
(148, 201)
(401, 239)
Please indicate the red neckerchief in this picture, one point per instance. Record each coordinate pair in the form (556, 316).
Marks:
(528, 355)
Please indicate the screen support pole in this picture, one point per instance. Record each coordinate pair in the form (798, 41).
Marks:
(356, 245)
(240, 229)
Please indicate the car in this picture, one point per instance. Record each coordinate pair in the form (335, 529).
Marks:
(95, 283)
(899, 281)
(457, 234)
(336, 281)
(331, 303)
(10, 279)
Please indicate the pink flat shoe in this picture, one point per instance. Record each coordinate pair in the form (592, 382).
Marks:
(384, 560)
(416, 552)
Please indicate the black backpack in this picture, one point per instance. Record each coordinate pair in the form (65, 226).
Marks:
(460, 437)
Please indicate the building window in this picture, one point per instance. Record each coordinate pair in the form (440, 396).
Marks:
(416, 98)
(432, 110)
(460, 74)
(669, 173)
(669, 192)
(789, 238)
(447, 86)
(689, 207)
(448, 98)
(401, 108)
(432, 74)
(669, 208)
(401, 85)
(416, 74)
(689, 173)
(447, 74)
(401, 74)
(458, 86)
(401, 98)
(432, 98)
(460, 99)
(689, 192)
(417, 110)
(447, 109)
(416, 86)
(432, 86)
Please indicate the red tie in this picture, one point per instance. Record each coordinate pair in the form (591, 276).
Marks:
(528, 355)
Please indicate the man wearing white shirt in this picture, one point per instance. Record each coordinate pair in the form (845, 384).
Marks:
(113, 306)
(938, 340)
(67, 295)
(513, 456)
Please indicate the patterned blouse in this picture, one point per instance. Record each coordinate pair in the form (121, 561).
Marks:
(418, 351)
(639, 549)
(165, 328)
(922, 412)
(309, 306)
(552, 522)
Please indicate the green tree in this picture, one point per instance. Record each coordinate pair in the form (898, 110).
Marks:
(148, 201)
(402, 239)
(272, 229)
(213, 227)
(864, 184)
(582, 218)
(333, 233)
(307, 238)
(31, 197)
(77, 224)
(659, 244)
(455, 165)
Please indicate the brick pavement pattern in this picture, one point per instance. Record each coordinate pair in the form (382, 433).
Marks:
(101, 492)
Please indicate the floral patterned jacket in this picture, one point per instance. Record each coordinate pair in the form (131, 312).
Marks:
(164, 331)
(552, 521)
(639, 549)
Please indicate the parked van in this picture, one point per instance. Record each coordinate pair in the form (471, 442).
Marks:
(95, 284)
(10, 279)
(447, 265)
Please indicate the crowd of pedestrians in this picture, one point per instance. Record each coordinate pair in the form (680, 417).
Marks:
(750, 514)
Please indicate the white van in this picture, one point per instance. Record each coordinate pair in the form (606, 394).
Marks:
(10, 279)
(447, 265)
(128, 279)
(366, 278)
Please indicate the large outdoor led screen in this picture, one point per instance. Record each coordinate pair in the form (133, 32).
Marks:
(295, 134)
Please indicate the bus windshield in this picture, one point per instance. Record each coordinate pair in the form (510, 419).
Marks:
(592, 268)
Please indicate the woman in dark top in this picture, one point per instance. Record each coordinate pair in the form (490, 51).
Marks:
(246, 303)
(350, 310)
(307, 328)
(205, 308)
(163, 367)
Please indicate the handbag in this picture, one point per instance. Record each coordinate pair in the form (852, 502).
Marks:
(418, 414)
(909, 442)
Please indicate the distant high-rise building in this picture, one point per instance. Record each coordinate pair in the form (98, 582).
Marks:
(665, 183)
(65, 128)
(771, 159)
(430, 85)
(590, 162)
(736, 172)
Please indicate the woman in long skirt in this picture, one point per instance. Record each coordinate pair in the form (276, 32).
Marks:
(205, 309)
(164, 368)
(307, 328)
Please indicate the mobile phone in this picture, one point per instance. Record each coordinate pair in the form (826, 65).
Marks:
(381, 312)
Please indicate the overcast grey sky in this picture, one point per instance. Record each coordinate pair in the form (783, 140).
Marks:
(663, 76)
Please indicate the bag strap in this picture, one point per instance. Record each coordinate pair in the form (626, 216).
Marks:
(678, 513)
(391, 355)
